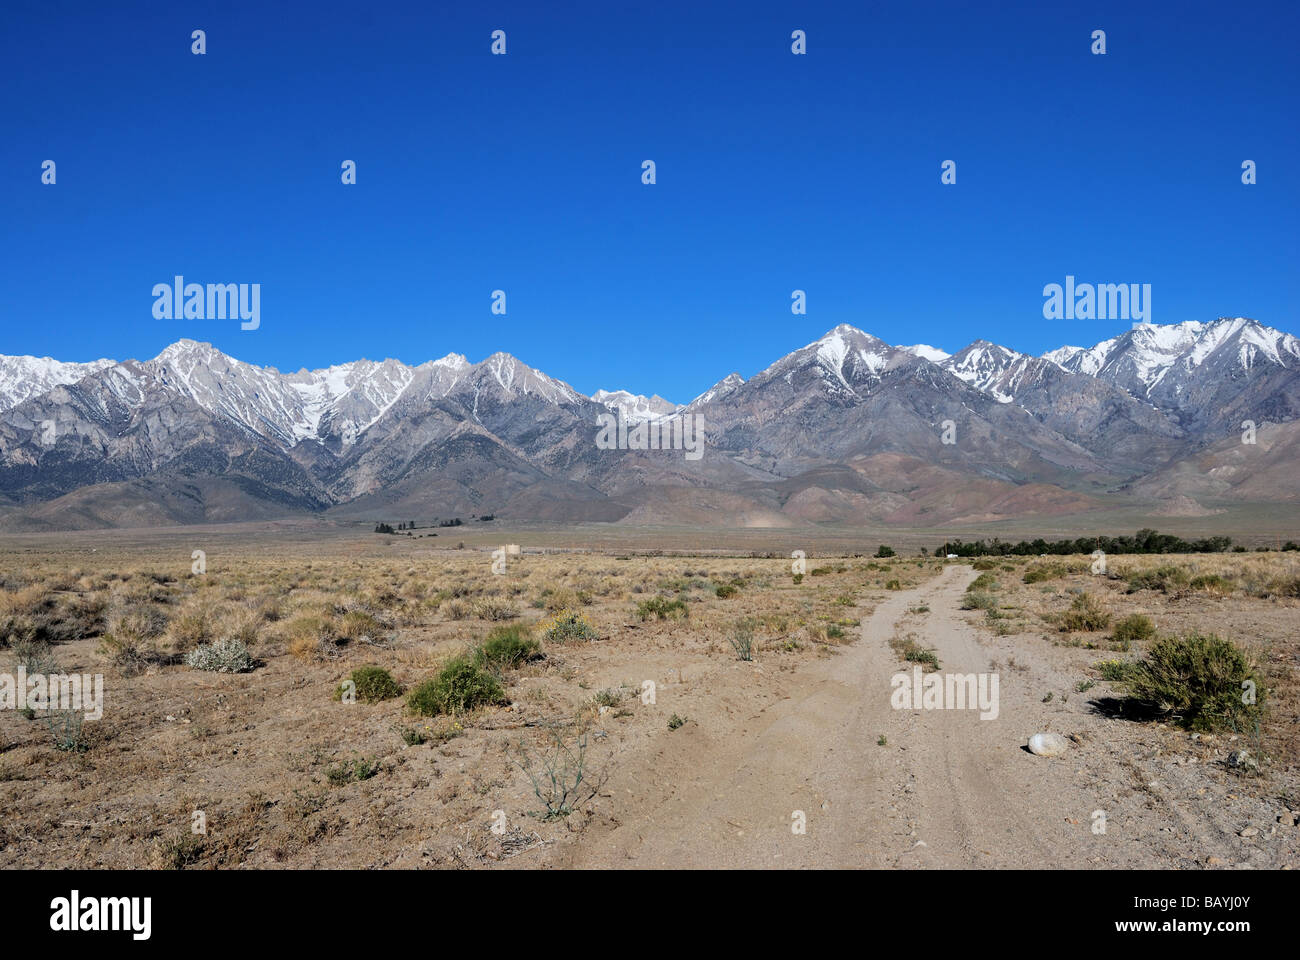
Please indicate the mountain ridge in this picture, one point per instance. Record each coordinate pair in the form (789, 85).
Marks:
(451, 434)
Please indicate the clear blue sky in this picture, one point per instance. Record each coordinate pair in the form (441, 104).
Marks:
(522, 172)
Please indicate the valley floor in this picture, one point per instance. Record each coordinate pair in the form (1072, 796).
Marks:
(714, 770)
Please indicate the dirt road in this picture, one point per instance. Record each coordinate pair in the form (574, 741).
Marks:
(944, 789)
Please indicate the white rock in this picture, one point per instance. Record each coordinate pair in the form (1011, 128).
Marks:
(1048, 744)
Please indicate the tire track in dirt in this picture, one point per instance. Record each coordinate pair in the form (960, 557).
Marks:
(815, 752)
(947, 789)
(959, 795)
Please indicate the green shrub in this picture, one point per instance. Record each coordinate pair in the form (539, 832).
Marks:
(1162, 578)
(1134, 628)
(568, 625)
(1085, 615)
(506, 648)
(371, 685)
(66, 727)
(1198, 680)
(35, 656)
(911, 651)
(661, 608)
(1038, 572)
(726, 590)
(350, 770)
(609, 697)
(559, 776)
(979, 601)
(459, 686)
(1211, 583)
(1114, 670)
(893, 585)
(884, 551)
(742, 640)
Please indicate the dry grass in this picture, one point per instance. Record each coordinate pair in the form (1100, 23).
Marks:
(259, 746)
(262, 744)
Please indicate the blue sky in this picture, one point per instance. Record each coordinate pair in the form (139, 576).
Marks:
(523, 173)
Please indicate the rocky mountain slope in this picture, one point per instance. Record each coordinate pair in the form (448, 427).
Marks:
(846, 429)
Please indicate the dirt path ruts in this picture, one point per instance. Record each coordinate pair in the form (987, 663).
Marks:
(945, 789)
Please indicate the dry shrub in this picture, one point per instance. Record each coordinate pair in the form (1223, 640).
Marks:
(494, 610)
(455, 609)
(239, 623)
(192, 625)
(312, 636)
(131, 633)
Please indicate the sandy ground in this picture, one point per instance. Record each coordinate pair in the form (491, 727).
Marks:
(947, 788)
(803, 735)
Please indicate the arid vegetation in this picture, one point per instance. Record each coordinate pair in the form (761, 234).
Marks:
(286, 696)
(336, 708)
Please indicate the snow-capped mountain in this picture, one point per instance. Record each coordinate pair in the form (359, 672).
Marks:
(844, 359)
(24, 377)
(635, 407)
(1207, 373)
(723, 388)
(986, 366)
(194, 433)
(339, 401)
(1144, 356)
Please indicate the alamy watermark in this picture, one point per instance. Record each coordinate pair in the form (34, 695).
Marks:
(1102, 301)
(75, 913)
(678, 431)
(946, 691)
(62, 691)
(214, 301)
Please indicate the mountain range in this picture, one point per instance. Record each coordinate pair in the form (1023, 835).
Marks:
(847, 429)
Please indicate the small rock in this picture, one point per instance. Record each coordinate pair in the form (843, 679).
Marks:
(1242, 760)
(1214, 862)
(1248, 832)
(1286, 819)
(1048, 744)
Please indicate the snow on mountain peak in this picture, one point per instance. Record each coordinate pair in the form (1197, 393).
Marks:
(22, 378)
(635, 407)
(724, 387)
(927, 352)
(984, 365)
(1145, 357)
